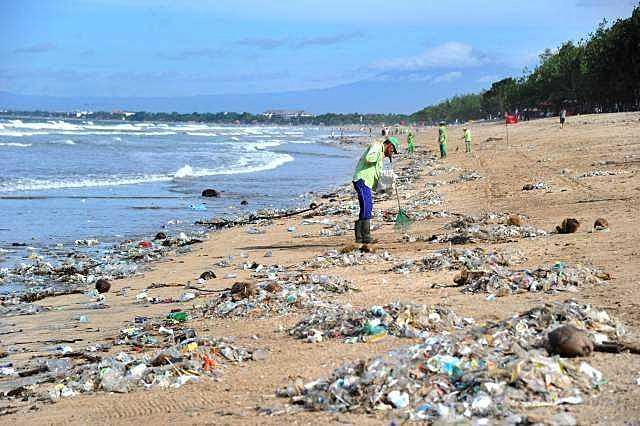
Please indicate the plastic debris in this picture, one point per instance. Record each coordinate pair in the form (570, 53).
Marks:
(354, 257)
(459, 259)
(397, 319)
(501, 281)
(277, 292)
(489, 227)
(494, 371)
(537, 185)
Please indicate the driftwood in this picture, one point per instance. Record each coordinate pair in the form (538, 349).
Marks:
(49, 342)
(600, 200)
(33, 371)
(618, 347)
(223, 223)
(35, 296)
(163, 285)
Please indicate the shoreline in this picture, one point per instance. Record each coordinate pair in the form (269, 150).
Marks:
(243, 391)
(190, 230)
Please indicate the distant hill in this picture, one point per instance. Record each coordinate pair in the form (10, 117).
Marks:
(391, 94)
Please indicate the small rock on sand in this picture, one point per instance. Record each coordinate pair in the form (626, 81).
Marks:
(208, 275)
(568, 226)
(103, 285)
(514, 220)
(210, 193)
(601, 224)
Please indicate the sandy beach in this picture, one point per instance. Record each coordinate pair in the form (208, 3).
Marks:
(245, 392)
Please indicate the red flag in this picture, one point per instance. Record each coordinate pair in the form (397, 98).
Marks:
(511, 119)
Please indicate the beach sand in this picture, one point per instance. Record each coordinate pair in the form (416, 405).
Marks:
(537, 152)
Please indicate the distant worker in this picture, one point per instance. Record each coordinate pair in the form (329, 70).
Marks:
(563, 117)
(467, 139)
(410, 146)
(365, 179)
(442, 139)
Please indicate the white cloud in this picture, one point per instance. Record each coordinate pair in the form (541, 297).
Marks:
(447, 77)
(488, 79)
(450, 54)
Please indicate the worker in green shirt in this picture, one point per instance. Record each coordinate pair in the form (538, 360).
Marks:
(467, 139)
(365, 179)
(442, 139)
(410, 146)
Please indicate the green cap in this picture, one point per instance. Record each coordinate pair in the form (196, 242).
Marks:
(393, 142)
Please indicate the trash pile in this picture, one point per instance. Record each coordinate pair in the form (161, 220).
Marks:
(537, 185)
(494, 371)
(330, 228)
(11, 305)
(467, 177)
(334, 258)
(367, 325)
(472, 259)
(489, 227)
(165, 353)
(500, 281)
(413, 171)
(187, 360)
(417, 205)
(80, 269)
(595, 173)
(275, 295)
(441, 170)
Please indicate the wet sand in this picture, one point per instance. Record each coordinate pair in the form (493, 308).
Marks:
(538, 151)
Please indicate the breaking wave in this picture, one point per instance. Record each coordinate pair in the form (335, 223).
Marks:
(185, 172)
(16, 144)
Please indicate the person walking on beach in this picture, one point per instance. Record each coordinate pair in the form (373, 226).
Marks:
(467, 139)
(365, 179)
(563, 117)
(442, 139)
(410, 146)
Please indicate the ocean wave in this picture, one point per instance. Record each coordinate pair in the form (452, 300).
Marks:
(19, 128)
(49, 184)
(187, 172)
(202, 134)
(261, 145)
(244, 165)
(16, 144)
(18, 134)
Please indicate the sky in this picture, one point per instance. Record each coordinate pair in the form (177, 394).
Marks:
(170, 48)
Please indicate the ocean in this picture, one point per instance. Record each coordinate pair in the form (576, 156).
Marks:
(62, 181)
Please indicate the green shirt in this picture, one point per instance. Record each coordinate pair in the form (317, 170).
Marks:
(467, 135)
(410, 139)
(370, 165)
(442, 134)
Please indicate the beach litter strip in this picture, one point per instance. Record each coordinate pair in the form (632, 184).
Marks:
(455, 259)
(275, 294)
(182, 357)
(369, 325)
(488, 227)
(492, 371)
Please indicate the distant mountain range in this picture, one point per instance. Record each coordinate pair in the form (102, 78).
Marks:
(386, 94)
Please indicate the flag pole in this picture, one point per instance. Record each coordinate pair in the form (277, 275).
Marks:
(506, 128)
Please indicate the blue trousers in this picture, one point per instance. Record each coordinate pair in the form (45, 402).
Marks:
(364, 199)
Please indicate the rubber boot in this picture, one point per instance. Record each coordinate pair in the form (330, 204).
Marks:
(366, 232)
(358, 228)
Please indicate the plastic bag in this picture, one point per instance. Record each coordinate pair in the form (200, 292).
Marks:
(386, 182)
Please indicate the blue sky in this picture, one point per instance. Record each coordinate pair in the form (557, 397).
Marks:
(144, 48)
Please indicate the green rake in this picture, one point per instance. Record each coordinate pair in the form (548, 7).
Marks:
(403, 221)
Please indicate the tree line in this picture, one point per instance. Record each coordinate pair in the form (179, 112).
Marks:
(598, 74)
